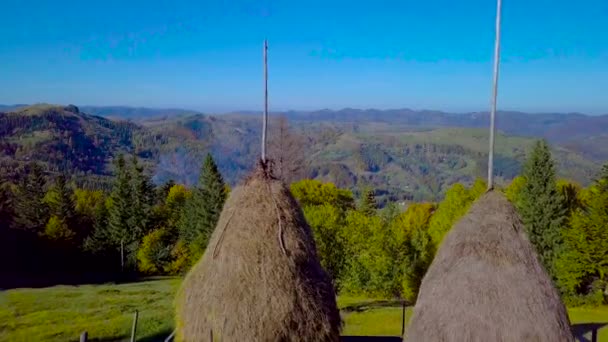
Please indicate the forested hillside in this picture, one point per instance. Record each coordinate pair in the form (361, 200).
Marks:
(402, 159)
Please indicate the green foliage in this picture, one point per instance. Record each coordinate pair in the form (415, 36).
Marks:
(541, 205)
(120, 222)
(30, 209)
(57, 230)
(314, 192)
(142, 197)
(417, 247)
(457, 201)
(154, 254)
(326, 222)
(514, 189)
(369, 268)
(368, 204)
(203, 209)
(60, 201)
(582, 267)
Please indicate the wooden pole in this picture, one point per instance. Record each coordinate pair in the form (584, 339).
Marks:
(494, 96)
(265, 122)
(134, 327)
(84, 336)
(170, 337)
(403, 319)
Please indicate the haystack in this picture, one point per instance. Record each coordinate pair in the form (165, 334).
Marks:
(486, 284)
(260, 278)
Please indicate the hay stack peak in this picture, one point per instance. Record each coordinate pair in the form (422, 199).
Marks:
(260, 278)
(486, 284)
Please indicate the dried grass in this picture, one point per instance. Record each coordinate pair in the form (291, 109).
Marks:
(260, 278)
(486, 284)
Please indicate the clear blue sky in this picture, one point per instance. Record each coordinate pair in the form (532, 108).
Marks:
(206, 54)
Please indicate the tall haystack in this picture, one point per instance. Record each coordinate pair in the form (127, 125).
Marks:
(260, 278)
(486, 284)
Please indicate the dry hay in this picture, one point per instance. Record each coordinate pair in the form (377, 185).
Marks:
(260, 278)
(486, 284)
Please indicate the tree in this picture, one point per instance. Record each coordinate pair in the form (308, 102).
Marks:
(154, 255)
(582, 268)
(6, 206)
(57, 230)
(86, 205)
(286, 149)
(203, 208)
(457, 201)
(368, 205)
(61, 203)
(30, 208)
(541, 205)
(326, 222)
(122, 232)
(418, 249)
(143, 197)
(314, 192)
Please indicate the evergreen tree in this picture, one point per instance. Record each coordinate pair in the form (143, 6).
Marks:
(541, 205)
(31, 211)
(143, 198)
(61, 201)
(121, 229)
(368, 204)
(6, 207)
(203, 208)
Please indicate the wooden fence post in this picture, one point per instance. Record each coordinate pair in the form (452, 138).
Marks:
(83, 337)
(403, 319)
(134, 327)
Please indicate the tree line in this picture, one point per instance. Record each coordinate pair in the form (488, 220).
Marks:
(54, 227)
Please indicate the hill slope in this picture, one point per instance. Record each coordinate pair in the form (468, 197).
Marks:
(401, 160)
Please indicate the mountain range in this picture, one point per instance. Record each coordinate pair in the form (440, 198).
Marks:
(404, 154)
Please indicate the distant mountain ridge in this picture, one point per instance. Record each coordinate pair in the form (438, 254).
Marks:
(403, 154)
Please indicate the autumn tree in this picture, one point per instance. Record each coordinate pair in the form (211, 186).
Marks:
(287, 149)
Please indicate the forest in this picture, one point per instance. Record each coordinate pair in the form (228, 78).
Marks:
(54, 231)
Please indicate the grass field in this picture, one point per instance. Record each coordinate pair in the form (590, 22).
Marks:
(61, 313)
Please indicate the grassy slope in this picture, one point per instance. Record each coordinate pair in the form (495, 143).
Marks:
(61, 313)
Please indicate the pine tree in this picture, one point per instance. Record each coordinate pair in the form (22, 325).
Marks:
(541, 205)
(203, 208)
(143, 197)
(63, 203)
(368, 204)
(31, 211)
(121, 229)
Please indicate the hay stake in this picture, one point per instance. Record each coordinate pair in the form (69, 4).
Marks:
(265, 120)
(494, 96)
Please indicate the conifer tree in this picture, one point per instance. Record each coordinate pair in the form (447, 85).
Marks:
(31, 211)
(122, 232)
(368, 202)
(143, 197)
(62, 203)
(203, 208)
(541, 205)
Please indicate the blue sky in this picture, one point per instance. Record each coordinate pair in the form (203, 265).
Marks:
(206, 54)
